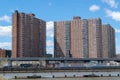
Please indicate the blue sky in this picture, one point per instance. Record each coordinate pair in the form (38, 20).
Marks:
(52, 10)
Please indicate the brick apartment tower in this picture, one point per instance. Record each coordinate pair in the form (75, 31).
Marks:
(78, 38)
(95, 38)
(108, 40)
(28, 35)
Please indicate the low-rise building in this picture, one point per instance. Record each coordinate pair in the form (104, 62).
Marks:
(5, 53)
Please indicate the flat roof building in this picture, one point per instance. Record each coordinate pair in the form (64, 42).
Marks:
(79, 38)
(108, 41)
(28, 35)
(2, 53)
(95, 38)
(5, 53)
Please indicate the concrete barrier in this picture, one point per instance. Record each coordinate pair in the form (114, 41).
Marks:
(59, 74)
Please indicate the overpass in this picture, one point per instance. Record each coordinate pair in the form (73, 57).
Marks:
(61, 59)
(63, 62)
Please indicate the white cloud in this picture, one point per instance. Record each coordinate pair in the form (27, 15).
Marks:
(94, 8)
(50, 29)
(111, 3)
(5, 31)
(50, 50)
(115, 15)
(5, 45)
(50, 43)
(118, 49)
(50, 36)
(117, 30)
(5, 18)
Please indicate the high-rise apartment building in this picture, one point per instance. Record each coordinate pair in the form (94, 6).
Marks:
(71, 38)
(79, 38)
(68, 38)
(76, 37)
(95, 38)
(28, 35)
(108, 41)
